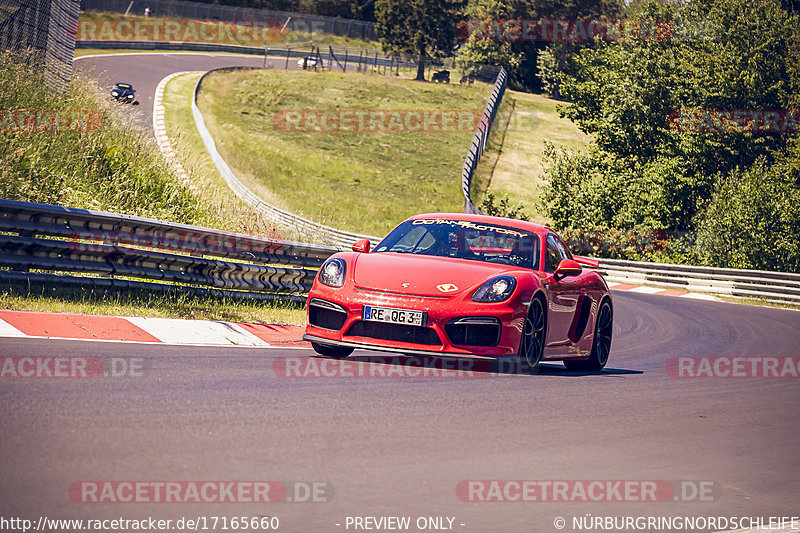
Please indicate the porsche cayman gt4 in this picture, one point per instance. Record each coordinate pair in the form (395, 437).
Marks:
(454, 284)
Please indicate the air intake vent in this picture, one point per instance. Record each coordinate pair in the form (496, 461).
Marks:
(474, 331)
(326, 315)
(394, 332)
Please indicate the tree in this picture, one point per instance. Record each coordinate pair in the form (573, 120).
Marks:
(647, 169)
(518, 55)
(753, 219)
(424, 27)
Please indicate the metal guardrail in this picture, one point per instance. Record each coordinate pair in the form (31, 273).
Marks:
(61, 247)
(301, 225)
(479, 139)
(754, 284)
(279, 52)
(740, 283)
(66, 240)
(170, 46)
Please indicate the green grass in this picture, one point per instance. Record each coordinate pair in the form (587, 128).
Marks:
(151, 305)
(359, 181)
(272, 37)
(116, 168)
(194, 158)
(512, 163)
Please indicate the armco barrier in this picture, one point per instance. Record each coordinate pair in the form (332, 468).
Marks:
(302, 226)
(276, 52)
(126, 252)
(479, 139)
(172, 46)
(57, 239)
(740, 283)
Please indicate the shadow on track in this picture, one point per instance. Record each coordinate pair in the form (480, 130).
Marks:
(439, 366)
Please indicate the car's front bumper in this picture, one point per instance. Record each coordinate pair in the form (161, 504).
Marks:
(356, 333)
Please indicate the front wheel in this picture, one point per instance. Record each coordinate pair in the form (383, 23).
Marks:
(531, 345)
(601, 346)
(335, 352)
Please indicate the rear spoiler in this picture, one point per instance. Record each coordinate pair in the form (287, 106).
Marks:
(586, 261)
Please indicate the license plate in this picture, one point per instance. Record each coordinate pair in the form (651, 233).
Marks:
(394, 316)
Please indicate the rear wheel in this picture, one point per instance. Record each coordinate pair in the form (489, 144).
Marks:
(335, 352)
(601, 346)
(531, 345)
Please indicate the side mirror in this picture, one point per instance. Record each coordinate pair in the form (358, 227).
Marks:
(567, 268)
(362, 246)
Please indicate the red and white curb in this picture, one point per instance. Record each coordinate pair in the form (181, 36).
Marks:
(148, 330)
(160, 129)
(615, 286)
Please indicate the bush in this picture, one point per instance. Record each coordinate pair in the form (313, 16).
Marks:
(502, 208)
(735, 191)
(753, 220)
(116, 168)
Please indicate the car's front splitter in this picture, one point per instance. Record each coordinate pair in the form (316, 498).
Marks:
(394, 349)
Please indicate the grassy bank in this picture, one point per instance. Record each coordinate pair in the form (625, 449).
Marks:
(191, 153)
(365, 181)
(512, 163)
(106, 163)
(110, 164)
(150, 305)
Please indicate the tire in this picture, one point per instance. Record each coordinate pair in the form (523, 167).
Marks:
(601, 344)
(531, 345)
(334, 352)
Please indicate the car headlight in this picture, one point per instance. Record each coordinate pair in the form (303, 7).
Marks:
(332, 272)
(130, 96)
(495, 290)
(114, 93)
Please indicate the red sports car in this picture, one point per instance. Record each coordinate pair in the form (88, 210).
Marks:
(452, 284)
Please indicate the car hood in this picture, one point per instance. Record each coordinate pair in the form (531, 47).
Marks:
(421, 275)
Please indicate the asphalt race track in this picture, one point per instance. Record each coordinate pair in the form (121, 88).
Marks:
(401, 446)
(145, 70)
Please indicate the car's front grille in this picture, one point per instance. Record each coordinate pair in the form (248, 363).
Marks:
(474, 331)
(326, 315)
(394, 332)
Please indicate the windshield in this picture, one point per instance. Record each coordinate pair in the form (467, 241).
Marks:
(464, 240)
